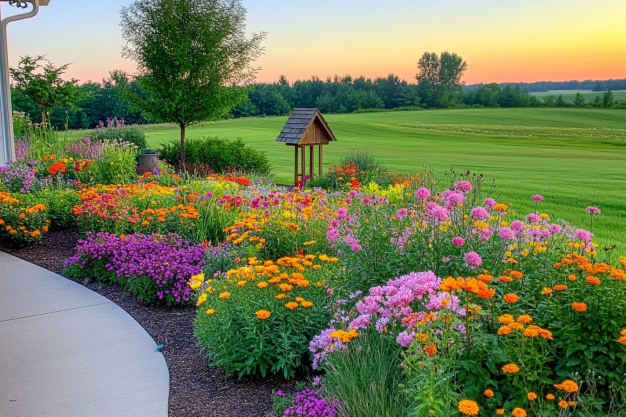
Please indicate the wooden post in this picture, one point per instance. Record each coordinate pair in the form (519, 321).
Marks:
(311, 159)
(303, 165)
(320, 161)
(295, 175)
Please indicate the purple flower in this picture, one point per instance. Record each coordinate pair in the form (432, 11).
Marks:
(473, 258)
(404, 339)
(458, 241)
(402, 213)
(583, 235)
(517, 225)
(422, 193)
(490, 203)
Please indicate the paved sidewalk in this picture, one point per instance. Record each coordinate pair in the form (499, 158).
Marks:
(66, 351)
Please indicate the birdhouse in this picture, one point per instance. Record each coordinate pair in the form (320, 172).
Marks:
(306, 128)
(23, 2)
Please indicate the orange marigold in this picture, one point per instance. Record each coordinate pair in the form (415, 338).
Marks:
(431, 350)
(622, 340)
(550, 397)
(591, 280)
(518, 412)
(532, 396)
(489, 393)
(224, 295)
(580, 307)
(524, 318)
(506, 319)
(262, 284)
(505, 278)
(530, 333)
(263, 314)
(546, 291)
(517, 274)
(510, 368)
(568, 386)
(560, 287)
(468, 407)
(572, 277)
(563, 404)
(500, 411)
(504, 330)
(511, 298)
(291, 305)
(306, 304)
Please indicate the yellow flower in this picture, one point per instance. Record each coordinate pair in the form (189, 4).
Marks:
(306, 304)
(201, 299)
(468, 407)
(224, 295)
(263, 314)
(546, 291)
(210, 312)
(241, 283)
(291, 305)
(262, 284)
(280, 296)
(510, 368)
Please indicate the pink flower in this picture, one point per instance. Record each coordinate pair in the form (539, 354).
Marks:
(458, 241)
(537, 197)
(490, 203)
(473, 258)
(356, 247)
(342, 212)
(485, 234)
(367, 201)
(479, 213)
(401, 214)
(592, 210)
(404, 339)
(464, 186)
(455, 198)
(332, 234)
(517, 225)
(422, 193)
(506, 233)
(555, 228)
(329, 291)
(440, 213)
(533, 218)
(583, 235)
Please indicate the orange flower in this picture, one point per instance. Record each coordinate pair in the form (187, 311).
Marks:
(568, 386)
(468, 407)
(291, 305)
(45, 228)
(505, 278)
(563, 404)
(546, 291)
(592, 280)
(431, 350)
(285, 287)
(224, 295)
(500, 411)
(210, 312)
(489, 393)
(485, 278)
(506, 319)
(580, 307)
(560, 287)
(262, 284)
(516, 326)
(524, 319)
(504, 330)
(517, 274)
(486, 293)
(263, 314)
(550, 397)
(518, 412)
(622, 340)
(572, 277)
(532, 396)
(306, 304)
(510, 368)
(500, 207)
(56, 168)
(511, 298)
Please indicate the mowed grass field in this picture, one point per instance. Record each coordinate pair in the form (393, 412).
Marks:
(568, 95)
(573, 157)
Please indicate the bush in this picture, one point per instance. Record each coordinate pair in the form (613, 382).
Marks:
(116, 130)
(222, 155)
(59, 203)
(259, 318)
(21, 224)
(154, 267)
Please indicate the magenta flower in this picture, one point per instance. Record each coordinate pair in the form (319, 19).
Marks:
(506, 233)
(533, 218)
(479, 213)
(404, 339)
(517, 225)
(402, 213)
(473, 258)
(592, 210)
(537, 197)
(490, 203)
(458, 241)
(439, 213)
(422, 193)
(464, 186)
(583, 235)
(342, 212)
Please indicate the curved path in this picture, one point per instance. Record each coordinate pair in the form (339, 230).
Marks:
(66, 351)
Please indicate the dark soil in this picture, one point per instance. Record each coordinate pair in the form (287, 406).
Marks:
(196, 389)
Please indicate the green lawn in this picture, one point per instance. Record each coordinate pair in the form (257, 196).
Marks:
(573, 157)
(568, 95)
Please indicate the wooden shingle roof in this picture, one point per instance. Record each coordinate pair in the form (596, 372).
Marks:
(299, 122)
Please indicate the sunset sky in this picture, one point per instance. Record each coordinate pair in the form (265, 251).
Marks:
(532, 40)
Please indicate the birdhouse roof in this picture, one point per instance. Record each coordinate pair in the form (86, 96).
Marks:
(302, 120)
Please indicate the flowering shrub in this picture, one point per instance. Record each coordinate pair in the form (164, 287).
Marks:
(260, 317)
(152, 266)
(21, 224)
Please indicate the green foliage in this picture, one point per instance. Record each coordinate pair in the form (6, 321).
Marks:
(21, 222)
(221, 155)
(362, 379)
(59, 203)
(191, 55)
(116, 130)
(21, 123)
(46, 88)
(116, 165)
(229, 324)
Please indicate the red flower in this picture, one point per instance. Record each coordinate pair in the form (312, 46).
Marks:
(56, 168)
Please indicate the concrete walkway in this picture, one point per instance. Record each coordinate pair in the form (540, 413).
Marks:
(66, 351)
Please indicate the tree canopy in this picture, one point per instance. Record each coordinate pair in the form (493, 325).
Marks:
(193, 58)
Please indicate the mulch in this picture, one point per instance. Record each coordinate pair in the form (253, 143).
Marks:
(196, 389)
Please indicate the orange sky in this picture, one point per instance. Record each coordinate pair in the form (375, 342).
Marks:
(533, 40)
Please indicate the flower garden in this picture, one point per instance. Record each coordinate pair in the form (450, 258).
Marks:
(398, 295)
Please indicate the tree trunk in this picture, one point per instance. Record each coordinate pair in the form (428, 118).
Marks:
(182, 147)
(43, 117)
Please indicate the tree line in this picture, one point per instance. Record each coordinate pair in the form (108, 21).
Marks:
(545, 86)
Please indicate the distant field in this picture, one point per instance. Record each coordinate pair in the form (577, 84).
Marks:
(573, 157)
(568, 95)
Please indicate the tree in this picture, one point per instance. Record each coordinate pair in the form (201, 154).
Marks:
(193, 57)
(439, 78)
(560, 101)
(43, 84)
(579, 100)
(608, 99)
